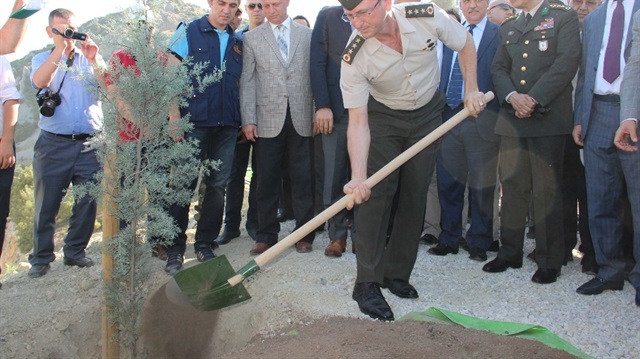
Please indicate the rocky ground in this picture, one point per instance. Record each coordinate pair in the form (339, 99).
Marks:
(58, 315)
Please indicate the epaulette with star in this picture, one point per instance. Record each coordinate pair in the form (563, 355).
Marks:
(559, 6)
(423, 10)
(352, 49)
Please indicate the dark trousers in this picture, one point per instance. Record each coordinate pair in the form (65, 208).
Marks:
(215, 144)
(6, 180)
(393, 132)
(235, 189)
(607, 169)
(57, 163)
(295, 151)
(466, 159)
(532, 167)
(336, 172)
(574, 203)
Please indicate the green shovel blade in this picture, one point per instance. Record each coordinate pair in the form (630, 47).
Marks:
(205, 285)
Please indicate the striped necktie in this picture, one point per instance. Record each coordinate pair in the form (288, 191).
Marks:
(282, 42)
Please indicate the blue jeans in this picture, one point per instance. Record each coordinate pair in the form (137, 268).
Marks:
(215, 144)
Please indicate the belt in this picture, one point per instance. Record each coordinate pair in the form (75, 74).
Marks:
(75, 136)
(607, 98)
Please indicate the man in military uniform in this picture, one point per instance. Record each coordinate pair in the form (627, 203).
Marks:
(532, 70)
(389, 81)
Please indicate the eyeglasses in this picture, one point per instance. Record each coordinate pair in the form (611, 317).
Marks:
(504, 7)
(350, 17)
(252, 6)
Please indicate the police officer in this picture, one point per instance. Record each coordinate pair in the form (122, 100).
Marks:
(532, 70)
(389, 81)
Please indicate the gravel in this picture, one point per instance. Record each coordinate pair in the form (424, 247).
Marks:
(63, 310)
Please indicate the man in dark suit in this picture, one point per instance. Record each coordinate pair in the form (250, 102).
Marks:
(328, 40)
(537, 58)
(469, 152)
(277, 113)
(606, 35)
(626, 139)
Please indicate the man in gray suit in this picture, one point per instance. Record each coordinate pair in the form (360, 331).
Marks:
(626, 139)
(605, 35)
(277, 114)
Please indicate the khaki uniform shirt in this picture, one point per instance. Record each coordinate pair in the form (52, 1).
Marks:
(404, 81)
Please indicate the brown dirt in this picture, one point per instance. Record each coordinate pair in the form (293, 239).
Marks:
(361, 338)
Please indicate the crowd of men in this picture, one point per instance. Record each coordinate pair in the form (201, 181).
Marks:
(320, 110)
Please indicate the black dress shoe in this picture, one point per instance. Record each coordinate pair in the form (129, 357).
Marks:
(500, 265)
(227, 236)
(400, 288)
(371, 301)
(494, 247)
(599, 285)
(462, 243)
(443, 250)
(429, 239)
(477, 254)
(545, 275)
(38, 270)
(80, 262)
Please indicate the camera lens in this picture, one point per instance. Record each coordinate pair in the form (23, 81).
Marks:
(48, 108)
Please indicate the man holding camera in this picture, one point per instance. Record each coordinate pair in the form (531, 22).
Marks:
(70, 116)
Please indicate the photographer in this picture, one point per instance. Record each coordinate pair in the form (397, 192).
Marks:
(70, 116)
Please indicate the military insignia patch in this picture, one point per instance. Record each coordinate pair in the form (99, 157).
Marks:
(352, 49)
(548, 23)
(237, 49)
(425, 10)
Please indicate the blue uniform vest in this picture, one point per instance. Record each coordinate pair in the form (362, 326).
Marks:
(219, 104)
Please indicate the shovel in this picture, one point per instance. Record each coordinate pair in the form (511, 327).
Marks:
(214, 284)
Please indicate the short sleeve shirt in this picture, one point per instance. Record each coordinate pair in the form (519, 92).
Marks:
(180, 46)
(8, 90)
(404, 81)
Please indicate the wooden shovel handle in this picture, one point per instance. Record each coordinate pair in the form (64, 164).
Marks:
(338, 206)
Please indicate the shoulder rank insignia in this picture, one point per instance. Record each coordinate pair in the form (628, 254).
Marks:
(425, 10)
(509, 19)
(559, 6)
(352, 49)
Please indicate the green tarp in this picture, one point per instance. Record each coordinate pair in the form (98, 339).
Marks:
(527, 331)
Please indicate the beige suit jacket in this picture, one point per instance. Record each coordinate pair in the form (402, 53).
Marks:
(269, 82)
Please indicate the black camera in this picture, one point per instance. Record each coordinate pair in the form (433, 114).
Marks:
(48, 101)
(70, 34)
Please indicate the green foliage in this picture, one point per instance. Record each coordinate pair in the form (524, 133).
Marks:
(22, 207)
(149, 173)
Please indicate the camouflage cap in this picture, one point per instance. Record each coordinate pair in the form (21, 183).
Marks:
(350, 4)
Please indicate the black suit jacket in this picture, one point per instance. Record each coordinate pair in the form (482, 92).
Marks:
(540, 59)
(328, 40)
(486, 122)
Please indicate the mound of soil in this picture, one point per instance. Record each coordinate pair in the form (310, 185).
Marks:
(361, 338)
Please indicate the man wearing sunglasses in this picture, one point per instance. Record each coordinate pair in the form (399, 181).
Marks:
(500, 10)
(389, 81)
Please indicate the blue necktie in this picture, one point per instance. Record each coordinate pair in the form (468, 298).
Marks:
(454, 89)
(282, 42)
